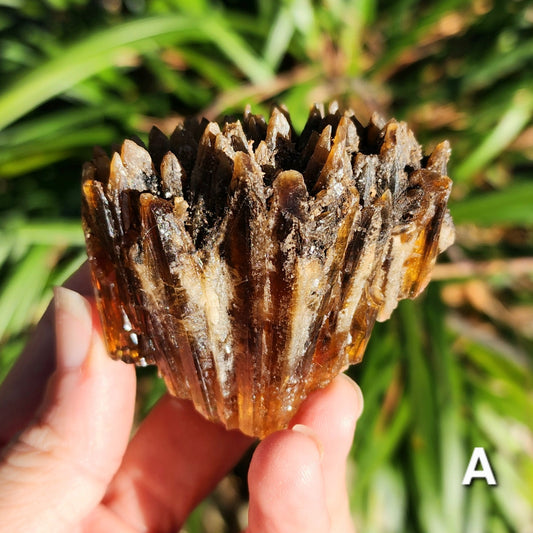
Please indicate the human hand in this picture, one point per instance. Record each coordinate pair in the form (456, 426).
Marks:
(68, 464)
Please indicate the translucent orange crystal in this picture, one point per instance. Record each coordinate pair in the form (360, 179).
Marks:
(250, 263)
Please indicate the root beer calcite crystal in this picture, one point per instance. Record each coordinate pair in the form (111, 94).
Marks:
(249, 263)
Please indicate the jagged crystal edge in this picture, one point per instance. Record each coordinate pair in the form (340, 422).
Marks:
(250, 263)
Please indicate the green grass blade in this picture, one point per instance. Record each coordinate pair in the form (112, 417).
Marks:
(210, 69)
(24, 158)
(83, 59)
(510, 125)
(476, 515)
(102, 49)
(52, 124)
(405, 38)
(382, 446)
(498, 67)
(450, 398)
(51, 232)
(355, 16)
(237, 50)
(279, 38)
(65, 269)
(9, 353)
(424, 443)
(23, 288)
(512, 205)
(386, 506)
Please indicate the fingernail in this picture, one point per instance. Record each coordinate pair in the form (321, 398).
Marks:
(73, 324)
(308, 432)
(360, 400)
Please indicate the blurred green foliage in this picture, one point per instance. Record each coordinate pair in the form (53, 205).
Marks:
(448, 372)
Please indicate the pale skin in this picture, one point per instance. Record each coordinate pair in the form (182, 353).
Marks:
(68, 464)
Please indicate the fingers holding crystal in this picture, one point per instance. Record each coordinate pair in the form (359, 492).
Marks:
(60, 464)
(332, 413)
(297, 479)
(23, 388)
(286, 483)
(175, 459)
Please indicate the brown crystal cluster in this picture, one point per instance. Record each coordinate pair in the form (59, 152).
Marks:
(250, 263)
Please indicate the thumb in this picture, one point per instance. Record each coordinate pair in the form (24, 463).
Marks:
(58, 468)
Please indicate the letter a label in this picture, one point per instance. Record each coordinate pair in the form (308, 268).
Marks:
(479, 456)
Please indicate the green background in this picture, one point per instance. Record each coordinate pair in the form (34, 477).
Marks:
(448, 372)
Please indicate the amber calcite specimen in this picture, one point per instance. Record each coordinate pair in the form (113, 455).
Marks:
(249, 263)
